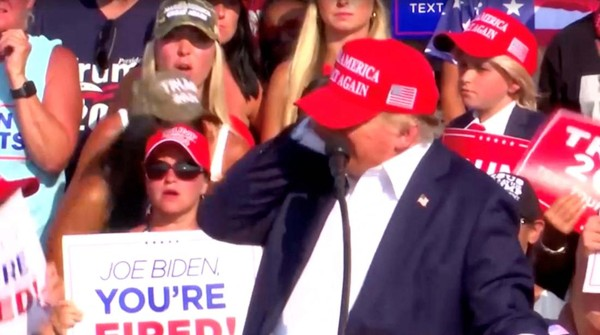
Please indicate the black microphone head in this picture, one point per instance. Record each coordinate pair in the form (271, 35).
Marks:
(336, 144)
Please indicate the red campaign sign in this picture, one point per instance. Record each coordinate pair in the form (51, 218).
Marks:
(488, 152)
(564, 158)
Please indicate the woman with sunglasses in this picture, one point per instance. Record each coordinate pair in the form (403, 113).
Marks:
(176, 173)
(328, 24)
(40, 107)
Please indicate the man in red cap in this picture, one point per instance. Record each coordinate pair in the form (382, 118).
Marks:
(434, 245)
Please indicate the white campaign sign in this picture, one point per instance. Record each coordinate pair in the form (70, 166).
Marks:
(22, 269)
(168, 283)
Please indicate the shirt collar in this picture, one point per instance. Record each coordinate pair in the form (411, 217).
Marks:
(396, 172)
(496, 124)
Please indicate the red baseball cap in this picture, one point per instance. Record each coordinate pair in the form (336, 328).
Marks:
(8, 187)
(194, 143)
(493, 33)
(369, 77)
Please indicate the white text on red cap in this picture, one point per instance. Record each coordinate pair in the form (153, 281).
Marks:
(181, 135)
(486, 31)
(181, 90)
(357, 67)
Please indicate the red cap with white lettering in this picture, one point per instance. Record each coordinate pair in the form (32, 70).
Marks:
(194, 143)
(491, 34)
(369, 77)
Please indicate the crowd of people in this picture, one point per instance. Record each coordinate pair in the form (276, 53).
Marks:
(171, 115)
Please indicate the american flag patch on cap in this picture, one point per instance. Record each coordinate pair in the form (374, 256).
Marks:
(518, 49)
(402, 96)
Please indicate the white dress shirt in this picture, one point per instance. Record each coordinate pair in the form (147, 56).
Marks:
(497, 123)
(314, 305)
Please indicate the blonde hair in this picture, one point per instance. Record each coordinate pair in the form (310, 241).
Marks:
(526, 96)
(304, 63)
(213, 94)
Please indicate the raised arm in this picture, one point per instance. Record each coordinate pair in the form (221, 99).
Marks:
(49, 127)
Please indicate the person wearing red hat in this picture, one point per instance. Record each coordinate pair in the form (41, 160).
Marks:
(422, 262)
(497, 57)
(176, 170)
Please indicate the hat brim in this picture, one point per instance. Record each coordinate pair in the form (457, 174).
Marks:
(169, 26)
(168, 140)
(29, 186)
(470, 43)
(328, 110)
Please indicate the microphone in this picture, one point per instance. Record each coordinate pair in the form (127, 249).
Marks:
(337, 148)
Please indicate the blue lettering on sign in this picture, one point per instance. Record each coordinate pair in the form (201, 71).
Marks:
(11, 142)
(416, 18)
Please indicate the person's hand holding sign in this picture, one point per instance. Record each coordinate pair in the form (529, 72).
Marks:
(591, 235)
(565, 212)
(64, 316)
(14, 51)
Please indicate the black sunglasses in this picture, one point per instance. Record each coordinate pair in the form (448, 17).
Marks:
(157, 170)
(105, 42)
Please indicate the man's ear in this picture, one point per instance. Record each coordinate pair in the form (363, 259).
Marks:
(535, 232)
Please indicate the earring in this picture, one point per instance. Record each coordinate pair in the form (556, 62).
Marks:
(202, 196)
(374, 15)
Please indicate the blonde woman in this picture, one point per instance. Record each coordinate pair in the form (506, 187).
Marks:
(328, 24)
(497, 57)
(184, 43)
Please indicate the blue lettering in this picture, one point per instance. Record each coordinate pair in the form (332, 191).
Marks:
(210, 295)
(187, 299)
(107, 300)
(141, 300)
(6, 120)
(166, 300)
(4, 137)
(18, 145)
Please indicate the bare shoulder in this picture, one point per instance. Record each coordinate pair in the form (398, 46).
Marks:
(62, 56)
(280, 74)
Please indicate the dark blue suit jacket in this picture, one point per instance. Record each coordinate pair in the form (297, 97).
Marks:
(523, 123)
(453, 267)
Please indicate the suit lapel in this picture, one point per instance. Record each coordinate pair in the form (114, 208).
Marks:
(290, 245)
(517, 123)
(424, 192)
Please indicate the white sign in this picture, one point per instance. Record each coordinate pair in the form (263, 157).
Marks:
(159, 283)
(22, 268)
(592, 274)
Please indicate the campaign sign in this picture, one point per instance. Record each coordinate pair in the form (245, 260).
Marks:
(488, 152)
(22, 268)
(169, 283)
(564, 158)
(416, 18)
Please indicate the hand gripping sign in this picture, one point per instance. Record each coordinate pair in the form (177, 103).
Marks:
(564, 158)
(488, 152)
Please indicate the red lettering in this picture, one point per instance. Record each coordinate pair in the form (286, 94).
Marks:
(231, 325)
(102, 328)
(176, 327)
(24, 300)
(202, 324)
(128, 328)
(155, 327)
